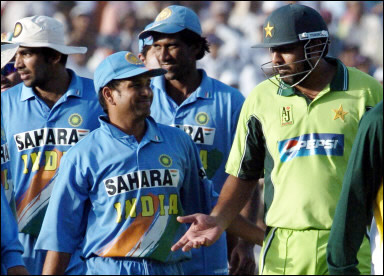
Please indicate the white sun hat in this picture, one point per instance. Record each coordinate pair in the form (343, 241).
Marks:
(8, 51)
(43, 31)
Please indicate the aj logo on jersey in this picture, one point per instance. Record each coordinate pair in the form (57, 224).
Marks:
(286, 115)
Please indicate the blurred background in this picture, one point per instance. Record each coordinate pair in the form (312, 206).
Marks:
(231, 27)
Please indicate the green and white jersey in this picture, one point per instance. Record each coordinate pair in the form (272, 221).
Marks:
(301, 146)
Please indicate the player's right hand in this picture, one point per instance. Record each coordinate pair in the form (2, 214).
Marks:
(204, 231)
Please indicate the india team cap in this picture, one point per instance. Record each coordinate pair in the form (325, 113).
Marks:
(147, 40)
(43, 31)
(290, 24)
(174, 19)
(121, 65)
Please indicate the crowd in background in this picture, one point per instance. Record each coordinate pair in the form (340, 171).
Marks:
(231, 28)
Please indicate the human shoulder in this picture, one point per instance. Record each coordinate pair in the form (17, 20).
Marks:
(13, 92)
(374, 115)
(220, 88)
(361, 80)
(86, 86)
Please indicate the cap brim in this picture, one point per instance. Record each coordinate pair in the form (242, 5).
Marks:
(162, 28)
(8, 51)
(270, 45)
(142, 71)
(66, 50)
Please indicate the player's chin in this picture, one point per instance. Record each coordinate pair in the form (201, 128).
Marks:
(170, 75)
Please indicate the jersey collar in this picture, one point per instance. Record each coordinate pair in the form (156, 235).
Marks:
(204, 90)
(75, 88)
(152, 134)
(338, 83)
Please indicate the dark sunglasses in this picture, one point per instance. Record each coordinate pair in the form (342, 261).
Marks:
(8, 69)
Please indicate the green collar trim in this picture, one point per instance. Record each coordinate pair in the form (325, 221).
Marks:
(338, 83)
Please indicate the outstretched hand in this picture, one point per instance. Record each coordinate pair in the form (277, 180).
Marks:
(204, 231)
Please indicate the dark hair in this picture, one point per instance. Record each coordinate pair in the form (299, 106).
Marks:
(113, 84)
(49, 52)
(189, 38)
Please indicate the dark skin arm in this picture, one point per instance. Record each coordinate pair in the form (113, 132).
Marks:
(56, 263)
(205, 230)
(17, 270)
(242, 258)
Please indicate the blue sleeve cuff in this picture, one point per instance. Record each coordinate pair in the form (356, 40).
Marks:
(12, 259)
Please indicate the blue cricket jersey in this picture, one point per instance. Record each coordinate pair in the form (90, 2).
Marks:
(123, 197)
(6, 176)
(209, 115)
(37, 139)
(11, 248)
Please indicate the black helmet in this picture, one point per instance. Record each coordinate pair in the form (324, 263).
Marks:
(292, 23)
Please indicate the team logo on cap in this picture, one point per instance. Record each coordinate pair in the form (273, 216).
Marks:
(165, 160)
(340, 113)
(268, 30)
(75, 120)
(202, 118)
(167, 12)
(131, 58)
(18, 29)
(286, 115)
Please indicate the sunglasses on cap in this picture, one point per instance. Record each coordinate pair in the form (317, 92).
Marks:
(9, 68)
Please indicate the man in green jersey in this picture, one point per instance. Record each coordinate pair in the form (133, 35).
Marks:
(361, 199)
(296, 129)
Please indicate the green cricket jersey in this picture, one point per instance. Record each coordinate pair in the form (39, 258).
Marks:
(301, 146)
(361, 198)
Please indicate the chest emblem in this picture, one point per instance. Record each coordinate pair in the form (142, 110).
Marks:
(286, 115)
(165, 160)
(75, 120)
(340, 113)
(202, 118)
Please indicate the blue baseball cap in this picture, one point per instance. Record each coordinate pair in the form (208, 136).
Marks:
(147, 40)
(174, 19)
(121, 65)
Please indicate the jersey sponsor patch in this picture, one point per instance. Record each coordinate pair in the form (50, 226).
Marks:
(49, 136)
(286, 115)
(199, 134)
(311, 144)
(140, 180)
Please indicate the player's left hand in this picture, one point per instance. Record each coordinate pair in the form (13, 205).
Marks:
(242, 261)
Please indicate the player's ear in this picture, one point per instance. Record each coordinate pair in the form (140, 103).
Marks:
(108, 95)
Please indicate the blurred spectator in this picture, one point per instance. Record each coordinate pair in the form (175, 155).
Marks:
(106, 27)
(11, 11)
(379, 74)
(83, 33)
(62, 14)
(363, 29)
(336, 45)
(212, 63)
